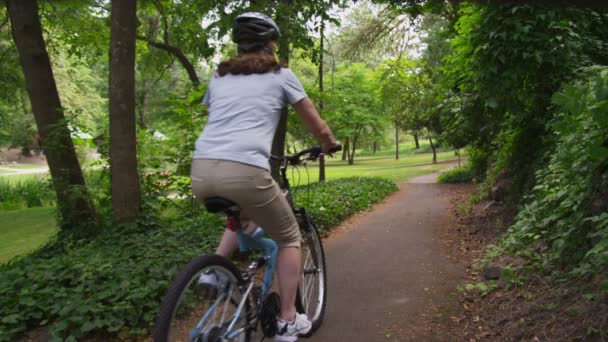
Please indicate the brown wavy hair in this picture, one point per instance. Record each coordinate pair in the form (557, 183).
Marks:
(247, 63)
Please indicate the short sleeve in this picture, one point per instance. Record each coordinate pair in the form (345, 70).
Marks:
(207, 96)
(292, 87)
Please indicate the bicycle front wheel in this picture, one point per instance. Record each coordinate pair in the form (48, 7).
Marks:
(205, 303)
(312, 291)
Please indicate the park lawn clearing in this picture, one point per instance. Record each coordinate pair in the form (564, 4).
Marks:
(25, 230)
(16, 178)
(5, 172)
(25, 166)
(398, 171)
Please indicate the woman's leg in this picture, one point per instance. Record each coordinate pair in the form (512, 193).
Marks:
(228, 244)
(288, 273)
(261, 198)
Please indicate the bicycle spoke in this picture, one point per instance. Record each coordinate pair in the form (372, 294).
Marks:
(228, 298)
(209, 310)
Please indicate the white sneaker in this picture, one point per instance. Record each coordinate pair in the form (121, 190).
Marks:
(212, 280)
(289, 331)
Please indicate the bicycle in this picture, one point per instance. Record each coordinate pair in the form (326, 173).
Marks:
(232, 309)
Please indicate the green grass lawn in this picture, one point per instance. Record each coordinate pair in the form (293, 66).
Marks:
(25, 166)
(5, 172)
(24, 230)
(18, 178)
(400, 170)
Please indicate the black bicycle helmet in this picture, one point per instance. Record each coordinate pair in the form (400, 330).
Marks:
(251, 30)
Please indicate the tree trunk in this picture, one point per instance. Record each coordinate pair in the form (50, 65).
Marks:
(123, 143)
(322, 158)
(416, 139)
(434, 150)
(278, 142)
(73, 199)
(278, 145)
(375, 147)
(142, 110)
(396, 142)
(345, 149)
(351, 156)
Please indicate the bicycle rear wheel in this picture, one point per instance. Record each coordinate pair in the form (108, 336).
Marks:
(203, 311)
(312, 291)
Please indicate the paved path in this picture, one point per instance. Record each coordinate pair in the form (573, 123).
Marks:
(386, 269)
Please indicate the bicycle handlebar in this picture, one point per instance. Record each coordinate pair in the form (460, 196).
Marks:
(313, 153)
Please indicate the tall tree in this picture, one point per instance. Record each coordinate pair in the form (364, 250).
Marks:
(123, 147)
(395, 78)
(73, 198)
(352, 107)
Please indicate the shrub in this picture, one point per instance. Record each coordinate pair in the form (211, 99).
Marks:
(461, 174)
(478, 163)
(37, 191)
(331, 202)
(25, 193)
(558, 212)
(115, 283)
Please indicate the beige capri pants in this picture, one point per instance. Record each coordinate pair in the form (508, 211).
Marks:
(254, 190)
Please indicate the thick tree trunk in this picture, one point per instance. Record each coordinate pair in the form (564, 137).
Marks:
(396, 142)
(416, 139)
(73, 197)
(278, 142)
(375, 147)
(123, 144)
(434, 150)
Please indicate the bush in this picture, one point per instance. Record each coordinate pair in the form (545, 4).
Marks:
(461, 174)
(331, 202)
(37, 191)
(115, 283)
(478, 163)
(25, 193)
(558, 214)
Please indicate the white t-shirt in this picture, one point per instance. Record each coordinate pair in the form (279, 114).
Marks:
(244, 112)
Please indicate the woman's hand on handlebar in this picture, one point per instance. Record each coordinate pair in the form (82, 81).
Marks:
(330, 148)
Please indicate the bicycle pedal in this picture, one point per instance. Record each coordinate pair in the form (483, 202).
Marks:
(268, 314)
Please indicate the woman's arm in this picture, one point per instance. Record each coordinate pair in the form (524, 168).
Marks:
(309, 115)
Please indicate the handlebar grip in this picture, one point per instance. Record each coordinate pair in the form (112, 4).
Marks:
(336, 148)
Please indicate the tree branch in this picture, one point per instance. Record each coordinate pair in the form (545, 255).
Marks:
(101, 7)
(179, 54)
(161, 10)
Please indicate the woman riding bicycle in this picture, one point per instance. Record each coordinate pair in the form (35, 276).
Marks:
(244, 98)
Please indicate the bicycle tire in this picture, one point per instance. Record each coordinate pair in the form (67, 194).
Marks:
(181, 284)
(312, 241)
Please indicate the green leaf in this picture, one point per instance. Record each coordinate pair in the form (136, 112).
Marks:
(599, 153)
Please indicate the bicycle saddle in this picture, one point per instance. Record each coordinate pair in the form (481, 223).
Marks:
(218, 204)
